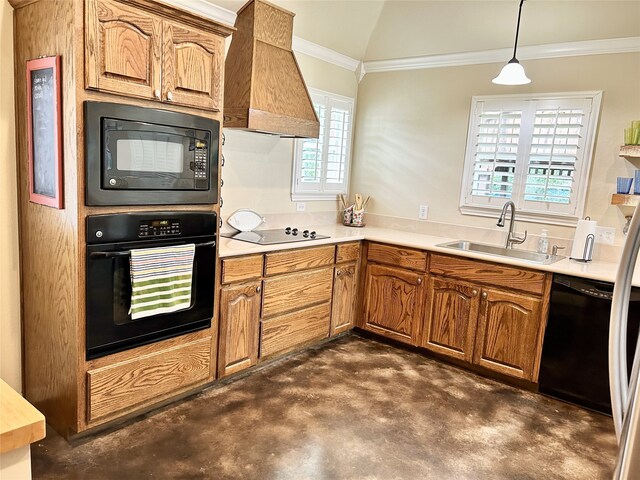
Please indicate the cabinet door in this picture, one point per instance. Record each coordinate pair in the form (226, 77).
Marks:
(192, 63)
(393, 302)
(239, 327)
(450, 323)
(509, 337)
(343, 310)
(122, 49)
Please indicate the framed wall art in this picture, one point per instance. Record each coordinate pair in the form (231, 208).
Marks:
(44, 131)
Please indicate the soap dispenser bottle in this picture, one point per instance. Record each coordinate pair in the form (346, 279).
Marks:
(543, 242)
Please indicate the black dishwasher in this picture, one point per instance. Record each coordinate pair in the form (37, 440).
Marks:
(574, 364)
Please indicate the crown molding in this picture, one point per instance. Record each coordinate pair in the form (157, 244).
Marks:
(300, 45)
(533, 52)
(206, 9)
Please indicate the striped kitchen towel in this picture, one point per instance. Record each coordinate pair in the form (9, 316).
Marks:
(161, 280)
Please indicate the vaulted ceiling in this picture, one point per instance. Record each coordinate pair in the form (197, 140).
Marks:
(380, 30)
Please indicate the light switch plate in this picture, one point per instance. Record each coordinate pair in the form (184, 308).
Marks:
(423, 212)
(605, 235)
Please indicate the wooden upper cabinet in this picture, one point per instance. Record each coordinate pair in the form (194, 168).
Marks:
(131, 52)
(509, 333)
(122, 49)
(239, 327)
(451, 318)
(192, 67)
(393, 302)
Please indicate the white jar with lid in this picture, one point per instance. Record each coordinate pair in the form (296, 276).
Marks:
(543, 241)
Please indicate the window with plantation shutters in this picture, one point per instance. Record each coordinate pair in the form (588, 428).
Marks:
(321, 166)
(534, 150)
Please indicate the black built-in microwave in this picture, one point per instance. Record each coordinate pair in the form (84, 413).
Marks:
(146, 156)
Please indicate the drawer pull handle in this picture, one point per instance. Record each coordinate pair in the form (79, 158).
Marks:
(258, 289)
(484, 295)
(474, 293)
(338, 273)
(419, 280)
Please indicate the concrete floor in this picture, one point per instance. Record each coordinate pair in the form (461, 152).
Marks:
(349, 409)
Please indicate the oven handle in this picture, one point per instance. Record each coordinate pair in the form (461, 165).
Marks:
(126, 253)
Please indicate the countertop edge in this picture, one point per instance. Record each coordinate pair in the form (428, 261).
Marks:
(595, 270)
(21, 424)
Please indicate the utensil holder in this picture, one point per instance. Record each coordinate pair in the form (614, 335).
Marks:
(352, 217)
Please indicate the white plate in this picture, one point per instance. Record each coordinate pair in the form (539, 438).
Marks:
(245, 220)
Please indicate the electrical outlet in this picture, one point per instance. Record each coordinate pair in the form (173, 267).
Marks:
(301, 206)
(423, 212)
(605, 235)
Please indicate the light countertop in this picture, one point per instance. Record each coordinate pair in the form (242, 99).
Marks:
(20, 422)
(596, 270)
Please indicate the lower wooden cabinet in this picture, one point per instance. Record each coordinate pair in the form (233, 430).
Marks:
(450, 319)
(124, 385)
(393, 301)
(343, 309)
(493, 328)
(284, 333)
(239, 327)
(285, 293)
(509, 337)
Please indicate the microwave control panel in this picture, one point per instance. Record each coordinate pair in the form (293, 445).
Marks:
(201, 160)
(159, 228)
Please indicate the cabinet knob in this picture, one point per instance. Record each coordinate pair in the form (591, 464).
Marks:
(484, 295)
(419, 280)
(258, 289)
(474, 293)
(338, 273)
(156, 93)
(169, 96)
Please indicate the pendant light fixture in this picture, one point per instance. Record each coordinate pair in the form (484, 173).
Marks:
(513, 73)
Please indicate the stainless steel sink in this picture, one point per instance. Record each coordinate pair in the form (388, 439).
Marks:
(533, 257)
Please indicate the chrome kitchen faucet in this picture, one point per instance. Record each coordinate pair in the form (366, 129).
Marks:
(511, 237)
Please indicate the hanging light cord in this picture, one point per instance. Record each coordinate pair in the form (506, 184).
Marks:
(515, 46)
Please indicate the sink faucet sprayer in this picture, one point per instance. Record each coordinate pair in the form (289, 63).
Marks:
(511, 237)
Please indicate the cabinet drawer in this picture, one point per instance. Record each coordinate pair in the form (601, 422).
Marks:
(293, 261)
(284, 333)
(488, 273)
(241, 268)
(292, 292)
(397, 256)
(347, 252)
(133, 382)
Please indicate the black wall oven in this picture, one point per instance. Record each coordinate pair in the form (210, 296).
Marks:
(110, 239)
(145, 156)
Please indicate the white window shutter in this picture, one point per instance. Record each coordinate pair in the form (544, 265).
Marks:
(321, 166)
(532, 149)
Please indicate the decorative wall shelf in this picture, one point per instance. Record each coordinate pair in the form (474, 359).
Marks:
(625, 200)
(630, 151)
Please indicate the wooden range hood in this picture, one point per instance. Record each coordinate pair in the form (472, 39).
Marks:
(263, 88)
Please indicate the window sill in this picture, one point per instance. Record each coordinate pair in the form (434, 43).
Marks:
(310, 197)
(521, 216)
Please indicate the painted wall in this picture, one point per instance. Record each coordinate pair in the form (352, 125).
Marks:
(411, 132)
(10, 363)
(257, 171)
